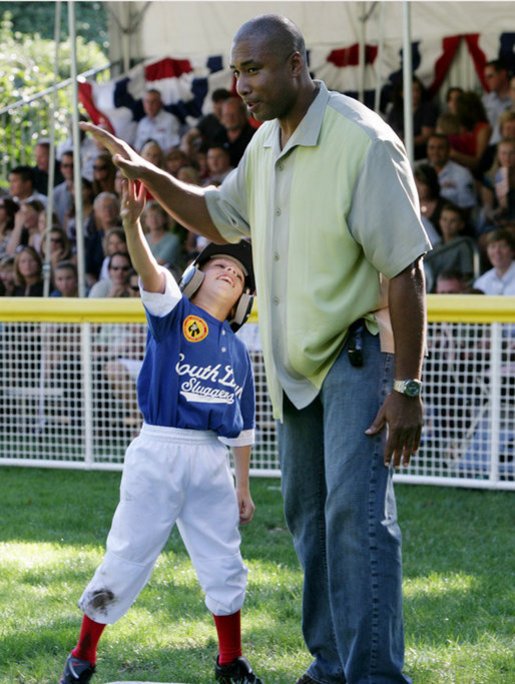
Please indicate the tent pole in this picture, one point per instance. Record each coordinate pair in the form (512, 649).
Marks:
(47, 269)
(407, 76)
(77, 171)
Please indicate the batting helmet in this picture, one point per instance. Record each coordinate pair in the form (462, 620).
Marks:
(241, 252)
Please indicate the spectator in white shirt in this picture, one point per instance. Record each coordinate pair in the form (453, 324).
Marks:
(158, 124)
(456, 182)
(499, 280)
(498, 99)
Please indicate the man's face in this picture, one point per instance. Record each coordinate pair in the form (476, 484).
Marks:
(106, 212)
(42, 156)
(437, 152)
(218, 160)
(152, 104)
(499, 254)
(451, 224)
(495, 79)
(264, 77)
(18, 187)
(66, 282)
(66, 166)
(233, 115)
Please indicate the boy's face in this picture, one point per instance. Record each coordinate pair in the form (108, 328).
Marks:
(451, 224)
(225, 277)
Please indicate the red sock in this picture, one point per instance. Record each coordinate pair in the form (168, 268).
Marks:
(229, 637)
(90, 634)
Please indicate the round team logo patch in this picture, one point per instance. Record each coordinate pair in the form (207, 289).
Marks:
(194, 329)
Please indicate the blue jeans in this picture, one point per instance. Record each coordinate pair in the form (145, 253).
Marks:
(340, 508)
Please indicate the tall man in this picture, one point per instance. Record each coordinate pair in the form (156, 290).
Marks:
(326, 194)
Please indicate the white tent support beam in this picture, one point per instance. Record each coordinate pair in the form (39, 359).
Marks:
(407, 75)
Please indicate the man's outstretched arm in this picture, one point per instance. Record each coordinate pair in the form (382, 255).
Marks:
(186, 203)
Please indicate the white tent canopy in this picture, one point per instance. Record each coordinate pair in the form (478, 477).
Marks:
(189, 27)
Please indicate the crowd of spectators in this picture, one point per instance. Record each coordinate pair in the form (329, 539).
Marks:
(464, 173)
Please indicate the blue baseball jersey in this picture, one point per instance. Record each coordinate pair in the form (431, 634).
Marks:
(196, 373)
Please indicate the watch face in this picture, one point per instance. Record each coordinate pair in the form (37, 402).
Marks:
(412, 388)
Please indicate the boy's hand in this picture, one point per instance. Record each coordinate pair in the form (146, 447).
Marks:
(245, 506)
(132, 203)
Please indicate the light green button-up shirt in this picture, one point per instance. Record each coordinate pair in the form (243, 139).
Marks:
(328, 214)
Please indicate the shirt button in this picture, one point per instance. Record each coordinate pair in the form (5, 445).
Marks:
(277, 212)
(275, 300)
(280, 167)
(223, 332)
(224, 349)
(276, 256)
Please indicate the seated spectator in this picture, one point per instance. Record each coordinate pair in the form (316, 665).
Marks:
(456, 252)
(174, 160)
(451, 97)
(7, 276)
(21, 185)
(218, 164)
(209, 127)
(237, 130)
(497, 99)
(41, 169)
(106, 215)
(424, 116)
(88, 150)
(28, 273)
(431, 203)
(164, 245)
(60, 249)
(114, 241)
(499, 202)
(26, 229)
(62, 195)
(8, 210)
(66, 280)
(87, 212)
(450, 282)
(104, 172)
(157, 124)
(189, 174)
(499, 280)
(117, 285)
(152, 152)
(456, 182)
(468, 147)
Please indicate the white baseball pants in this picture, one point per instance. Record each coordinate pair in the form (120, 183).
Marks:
(171, 476)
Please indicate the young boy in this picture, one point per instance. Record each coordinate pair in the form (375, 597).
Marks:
(196, 394)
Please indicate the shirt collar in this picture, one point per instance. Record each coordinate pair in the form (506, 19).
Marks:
(308, 130)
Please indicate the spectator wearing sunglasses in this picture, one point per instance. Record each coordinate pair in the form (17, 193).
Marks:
(117, 285)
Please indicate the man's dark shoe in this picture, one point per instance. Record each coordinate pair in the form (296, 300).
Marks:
(306, 679)
(238, 671)
(76, 671)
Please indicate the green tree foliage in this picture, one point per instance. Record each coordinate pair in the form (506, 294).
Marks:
(27, 62)
(32, 17)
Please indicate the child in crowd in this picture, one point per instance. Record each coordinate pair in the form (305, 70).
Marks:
(196, 394)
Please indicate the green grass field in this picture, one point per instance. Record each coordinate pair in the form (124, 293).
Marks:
(458, 580)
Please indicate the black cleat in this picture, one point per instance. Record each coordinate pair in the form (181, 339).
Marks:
(238, 671)
(76, 671)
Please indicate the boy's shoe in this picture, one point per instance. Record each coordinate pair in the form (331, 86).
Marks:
(238, 671)
(76, 671)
